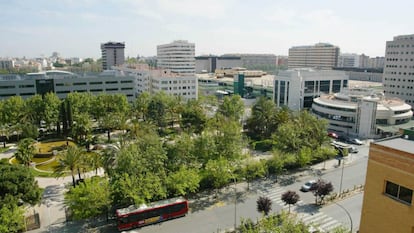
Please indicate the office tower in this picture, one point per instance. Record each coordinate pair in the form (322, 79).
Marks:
(321, 55)
(178, 57)
(398, 76)
(112, 54)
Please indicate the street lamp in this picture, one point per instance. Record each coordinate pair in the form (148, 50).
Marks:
(344, 152)
(342, 177)
(48, 204)
(235, 200)
(347, 213)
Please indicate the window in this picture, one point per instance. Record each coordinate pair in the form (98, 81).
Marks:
(398, 192)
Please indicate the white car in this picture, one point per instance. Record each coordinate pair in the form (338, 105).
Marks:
(356, 141)
(308, 185)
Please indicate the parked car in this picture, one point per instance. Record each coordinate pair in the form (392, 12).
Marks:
(343, 138)
(333, 135)
(353, 149)
(356, 141)
(308, 185)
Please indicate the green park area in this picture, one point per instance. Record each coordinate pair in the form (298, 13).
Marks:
(47, 155)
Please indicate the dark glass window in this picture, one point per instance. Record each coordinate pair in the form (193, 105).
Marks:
(324, 86)
(399, 192)
(405, 194)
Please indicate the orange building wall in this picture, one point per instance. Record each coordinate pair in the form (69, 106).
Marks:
(381, 213)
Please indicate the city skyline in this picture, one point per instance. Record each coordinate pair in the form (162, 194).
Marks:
(77, 28)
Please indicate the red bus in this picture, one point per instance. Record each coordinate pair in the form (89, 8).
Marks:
(133, 216)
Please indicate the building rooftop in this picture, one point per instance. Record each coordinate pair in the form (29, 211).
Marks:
(398, 144)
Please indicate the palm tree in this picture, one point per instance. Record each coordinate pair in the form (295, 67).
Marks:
(71, 160)
(264, 205)
(25, 151)
(94, 161)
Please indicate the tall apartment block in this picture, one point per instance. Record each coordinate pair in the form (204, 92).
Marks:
(321, 55)
(389, 184)
(177, 57)
(112, 54)
(398, 76)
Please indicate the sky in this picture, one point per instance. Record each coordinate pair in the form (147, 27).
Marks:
(76, 28)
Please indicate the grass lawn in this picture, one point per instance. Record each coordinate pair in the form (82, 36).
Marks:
(2, 149)
(48, 147)
(45, 148)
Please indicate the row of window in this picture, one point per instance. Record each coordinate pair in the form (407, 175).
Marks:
(334, 117)
(175, 81)
(14, 94)
(402, 45)
(335, 108)
(399, 80)
(402, 52)
(397, 86)
(92, 83)
(398, 93)
(398, 192)
(97, 90)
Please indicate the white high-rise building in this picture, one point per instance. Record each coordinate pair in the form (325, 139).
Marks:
(349, 60)
(178, 57)
(398, 76)
(296, 88)
(321, 56)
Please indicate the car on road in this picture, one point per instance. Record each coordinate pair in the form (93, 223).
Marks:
(353, 149)
(333, 135)
(307, 186)
(355, 141)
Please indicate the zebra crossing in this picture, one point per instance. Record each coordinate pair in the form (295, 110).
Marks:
(318, 220)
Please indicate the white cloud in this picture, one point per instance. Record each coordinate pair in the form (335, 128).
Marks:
(211, 9)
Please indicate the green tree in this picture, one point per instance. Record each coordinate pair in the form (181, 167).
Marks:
(232, 107)
(51, 109)
(81, 127)
(183, 181)
(13, 110)
(19, 182)
(181, 152)
(276, 164)
(280, 223)
(25, 151)
(157, 109)
(193, 118)
(227, 137)
(89, 199)
(30, 131)
(136, 189)
(219, 172)
(111, 111)
(34, 107)
(11, 215)
(95, 161)
(71, 160)
(5, 132)
(139, 174)
(263, 122)
(205, 148)
(253, 170)
(304, 156)
(81, 103)
(140, 106)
